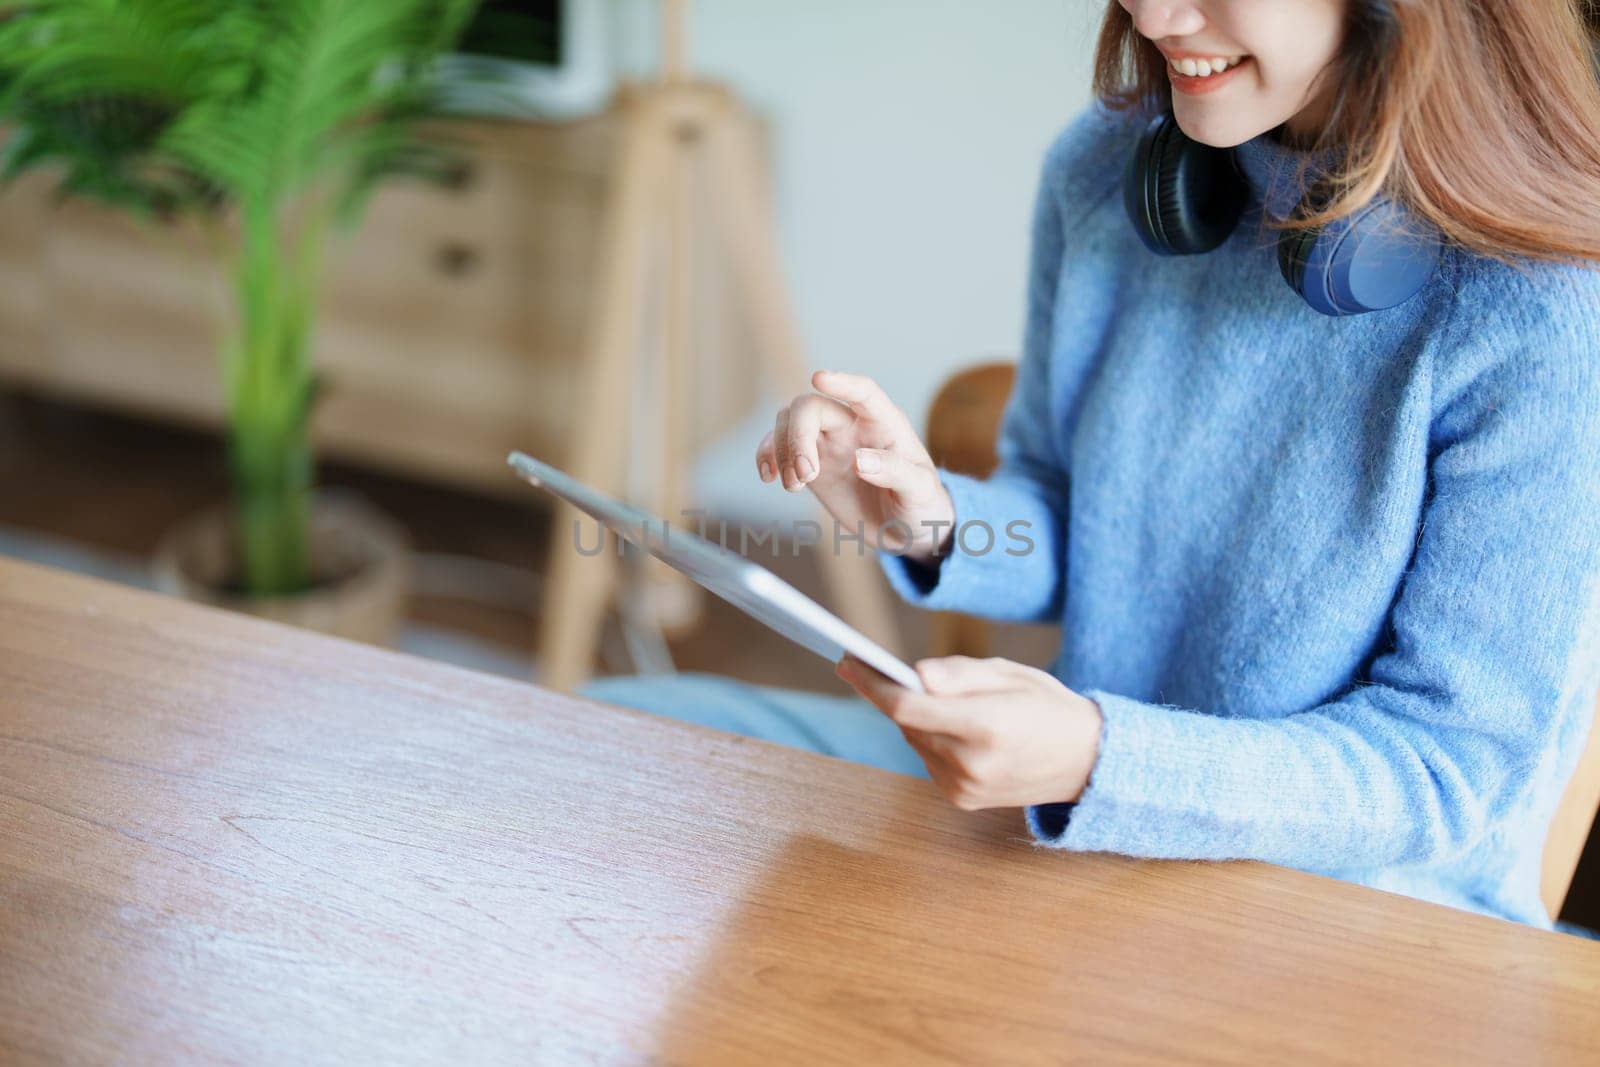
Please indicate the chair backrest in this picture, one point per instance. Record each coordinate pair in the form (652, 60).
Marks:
(963, 429)
(964, 419)
(1569, 830)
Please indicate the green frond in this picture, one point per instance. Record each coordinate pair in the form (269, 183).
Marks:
(259, 99)
(286, 112)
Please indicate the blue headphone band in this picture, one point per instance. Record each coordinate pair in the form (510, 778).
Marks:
(1186, 198)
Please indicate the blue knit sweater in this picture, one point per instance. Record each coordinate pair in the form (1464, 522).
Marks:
(1331, 581)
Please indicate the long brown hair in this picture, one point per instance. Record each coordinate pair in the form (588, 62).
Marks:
(1481, 116)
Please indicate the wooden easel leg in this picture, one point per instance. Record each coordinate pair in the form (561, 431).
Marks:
(751, 232)
(675, 601)
(580, 588)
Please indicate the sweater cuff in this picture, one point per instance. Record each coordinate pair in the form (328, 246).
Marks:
(933, 585)
(987, 569)
(1148, 783)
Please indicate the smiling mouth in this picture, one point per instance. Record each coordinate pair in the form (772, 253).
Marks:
(1210, 74)
(1204, 68)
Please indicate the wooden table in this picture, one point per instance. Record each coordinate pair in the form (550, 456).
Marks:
(225, 840)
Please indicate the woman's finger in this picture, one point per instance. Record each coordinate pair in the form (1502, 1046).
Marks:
(809, 417)
(780, 445)
(917, 711)
(912, 483)
(933, 750)
(766, 459)
(964, 674)
(866, 399)
(866, 681)
(887, 696)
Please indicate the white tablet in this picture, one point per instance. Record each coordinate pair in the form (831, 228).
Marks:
(746, 585)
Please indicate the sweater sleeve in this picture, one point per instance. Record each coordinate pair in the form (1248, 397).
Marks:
(1489, 654)
(1007, 558)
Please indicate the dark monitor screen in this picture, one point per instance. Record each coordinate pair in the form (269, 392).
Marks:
(525, 30)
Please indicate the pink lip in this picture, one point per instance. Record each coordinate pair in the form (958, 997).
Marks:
(1196, 85)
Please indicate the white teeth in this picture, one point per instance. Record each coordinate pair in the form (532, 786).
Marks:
(1202, 68)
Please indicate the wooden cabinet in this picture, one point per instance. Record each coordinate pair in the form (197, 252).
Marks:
(451, 331)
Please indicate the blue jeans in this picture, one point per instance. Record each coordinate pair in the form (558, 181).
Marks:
(846, 727)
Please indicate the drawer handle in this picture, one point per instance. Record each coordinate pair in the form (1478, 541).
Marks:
(456, 259)
(459, 175)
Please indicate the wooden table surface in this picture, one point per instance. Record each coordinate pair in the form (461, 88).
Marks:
(225, 840)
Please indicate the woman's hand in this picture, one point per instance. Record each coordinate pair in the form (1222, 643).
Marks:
(862, 459)
(993, 733)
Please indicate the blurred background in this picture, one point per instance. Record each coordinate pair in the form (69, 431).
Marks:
(457, 311)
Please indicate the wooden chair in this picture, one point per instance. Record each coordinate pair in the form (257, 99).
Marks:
(963, 428)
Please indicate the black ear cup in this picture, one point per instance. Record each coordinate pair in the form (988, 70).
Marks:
(1294, 251)
(1183, 197)
(1295, 246)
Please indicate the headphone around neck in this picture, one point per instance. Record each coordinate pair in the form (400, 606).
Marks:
(1186, 198)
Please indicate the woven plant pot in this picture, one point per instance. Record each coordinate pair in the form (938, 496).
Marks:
(358, 563)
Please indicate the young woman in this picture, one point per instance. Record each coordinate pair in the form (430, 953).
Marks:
(1306, 444)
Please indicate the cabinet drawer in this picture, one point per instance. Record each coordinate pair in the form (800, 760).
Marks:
(449, 334)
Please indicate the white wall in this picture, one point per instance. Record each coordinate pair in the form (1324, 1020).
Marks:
(907, 136)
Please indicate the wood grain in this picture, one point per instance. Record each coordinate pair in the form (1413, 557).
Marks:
(223, 840)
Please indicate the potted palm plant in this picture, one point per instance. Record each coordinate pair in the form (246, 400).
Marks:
(266, 123)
